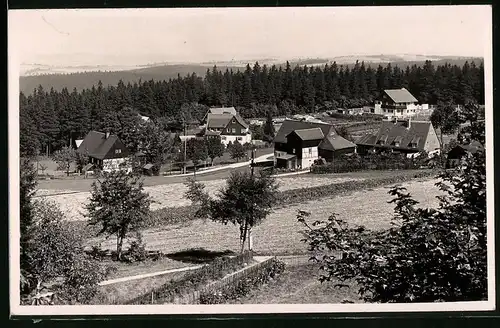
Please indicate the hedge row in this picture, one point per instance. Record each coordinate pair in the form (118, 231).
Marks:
(305, 194)
(243, 286)
(195, 279)
(382, 161)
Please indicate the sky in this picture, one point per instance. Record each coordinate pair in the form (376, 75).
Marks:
(134, 36)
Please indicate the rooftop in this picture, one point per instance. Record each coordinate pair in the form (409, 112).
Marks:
(400, 95)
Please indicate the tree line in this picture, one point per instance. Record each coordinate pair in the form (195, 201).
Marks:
(50, 119)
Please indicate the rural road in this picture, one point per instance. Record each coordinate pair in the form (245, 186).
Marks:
(224, 167)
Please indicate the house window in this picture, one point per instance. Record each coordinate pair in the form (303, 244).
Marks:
(293, 151)
(233, 130)
(118, 151)
(223, 138)
(239, 138)
(310, 151)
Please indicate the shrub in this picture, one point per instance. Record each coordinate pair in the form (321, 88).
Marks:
(355, 162)
(196, 279)
(137, 250)
(243, 286)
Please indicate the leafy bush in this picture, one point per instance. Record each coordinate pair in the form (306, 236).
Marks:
(196, 279)
(243, 286)
(429, 255)
(137, 250)
(56, 257)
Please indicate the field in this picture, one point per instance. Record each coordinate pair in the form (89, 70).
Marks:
(280, 232)
(172, 195)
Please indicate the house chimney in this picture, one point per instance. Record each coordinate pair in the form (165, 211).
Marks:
(107, 134)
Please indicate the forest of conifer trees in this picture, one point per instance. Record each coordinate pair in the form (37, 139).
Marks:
(50, 119)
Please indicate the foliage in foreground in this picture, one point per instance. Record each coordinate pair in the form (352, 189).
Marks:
(243, 286)
(119, 205)
(246, 201)
(52, 253)
(429, 254)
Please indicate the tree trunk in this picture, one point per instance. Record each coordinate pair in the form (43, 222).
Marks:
(119, 246)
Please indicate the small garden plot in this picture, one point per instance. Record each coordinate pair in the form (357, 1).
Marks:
(280, 232)
(300, 285)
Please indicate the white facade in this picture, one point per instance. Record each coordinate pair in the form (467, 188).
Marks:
(309, 155)
(247, 138)
(109, 165)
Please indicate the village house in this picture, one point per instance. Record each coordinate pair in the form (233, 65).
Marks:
(398, 103)
(228, 124)
(401, 136)
(105, 151)
(298, 144)
(456, 153)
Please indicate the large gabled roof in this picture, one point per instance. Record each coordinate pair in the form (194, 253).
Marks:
(95, 144)
(309, 134)
(220, 121)
(289, 126)
(334, 142)
(400, 95)
(390, 131)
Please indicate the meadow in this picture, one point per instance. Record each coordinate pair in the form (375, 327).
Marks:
(72, 203)
(280, 233)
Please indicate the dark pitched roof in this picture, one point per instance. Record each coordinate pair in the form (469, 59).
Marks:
(400, 95)
(335, 142)
(289, 126)
(391, 131)
(220, 121)
(97, 145)
(309, 134)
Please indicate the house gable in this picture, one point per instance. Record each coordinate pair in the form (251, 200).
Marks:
(432, 142)
(115, 149)
(96, 145)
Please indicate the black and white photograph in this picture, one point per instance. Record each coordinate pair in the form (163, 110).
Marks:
(251, 160)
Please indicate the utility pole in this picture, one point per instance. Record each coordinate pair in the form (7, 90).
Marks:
(185, 148)
(252, 164)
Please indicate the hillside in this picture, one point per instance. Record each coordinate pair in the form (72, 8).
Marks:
(87, 79)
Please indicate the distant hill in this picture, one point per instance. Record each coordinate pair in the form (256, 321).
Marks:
(81, 80)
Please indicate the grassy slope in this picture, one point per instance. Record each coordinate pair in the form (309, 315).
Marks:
(280, 232)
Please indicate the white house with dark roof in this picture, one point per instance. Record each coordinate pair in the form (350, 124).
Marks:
(398, 103)
(299, 143)
(105, 151)
(228, 124)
